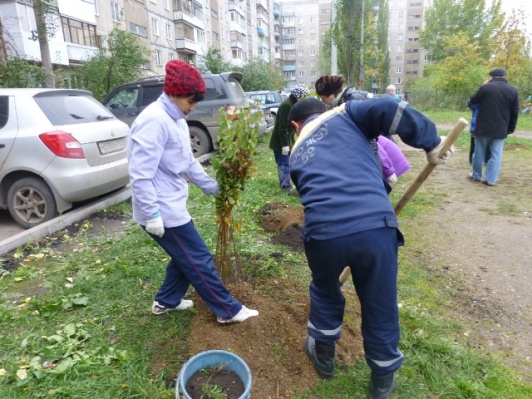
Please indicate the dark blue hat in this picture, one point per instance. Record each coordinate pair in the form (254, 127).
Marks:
(301, 110)
(498, 73)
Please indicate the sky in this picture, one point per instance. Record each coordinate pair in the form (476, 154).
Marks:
(526, 5)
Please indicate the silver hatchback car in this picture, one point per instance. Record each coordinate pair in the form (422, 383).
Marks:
(57, 147)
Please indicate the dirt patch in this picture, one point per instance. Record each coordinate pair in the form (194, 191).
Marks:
(272, 344)
(479, 243)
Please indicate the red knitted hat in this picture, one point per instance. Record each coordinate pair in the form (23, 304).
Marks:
(182, 79)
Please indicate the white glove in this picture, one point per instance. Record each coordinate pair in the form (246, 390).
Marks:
(212, 190)
(392, 178)
(285, 150)
(154, 225)
(432, 156)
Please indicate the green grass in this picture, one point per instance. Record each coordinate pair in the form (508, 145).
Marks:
(85, 310)
(524, 122)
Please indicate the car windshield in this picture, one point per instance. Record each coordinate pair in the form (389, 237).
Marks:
(68, 109)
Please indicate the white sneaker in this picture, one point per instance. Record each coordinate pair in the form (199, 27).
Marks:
(244, 314)
(157, 308)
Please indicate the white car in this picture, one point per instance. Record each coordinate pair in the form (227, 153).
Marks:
(57, 147)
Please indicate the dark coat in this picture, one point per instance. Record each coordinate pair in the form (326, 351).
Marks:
(283, 134)
(498, 108)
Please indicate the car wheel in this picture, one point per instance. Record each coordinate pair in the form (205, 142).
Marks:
(274, 116)
(31, 202)
(199, 140)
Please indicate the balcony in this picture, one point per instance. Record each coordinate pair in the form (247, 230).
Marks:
(289, 57)
(236, 44)
(289, 68)
(187, 46)
(276, 11)
(261, 32)
(233, 6)
(277, 56)
(191, 19)
(289, 46)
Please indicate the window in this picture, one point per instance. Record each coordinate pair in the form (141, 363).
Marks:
(399, 49)
(301, 63)
(313, 52)
(312, 42)
(166, 4)
(313, 74)
(171, 56)
(400, 37)
(398, 81)
(301, 31)
(301, 74)
(115, 11)
(300, 53)
(79, 32)
(138, 30)
(398, 69)
(158, 61)
(155, 26)
(399, 58)
(168, 29)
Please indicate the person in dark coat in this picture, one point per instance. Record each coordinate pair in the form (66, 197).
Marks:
(498, 110)
(282, 138)
(349, 220)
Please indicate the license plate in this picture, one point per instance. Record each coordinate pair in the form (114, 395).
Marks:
(110, 146)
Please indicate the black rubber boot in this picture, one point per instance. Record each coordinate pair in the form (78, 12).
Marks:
(321, 356)
(382, 386)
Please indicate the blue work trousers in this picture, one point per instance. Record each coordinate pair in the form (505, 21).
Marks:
(372, 256)
(283, 169)
(192, 263)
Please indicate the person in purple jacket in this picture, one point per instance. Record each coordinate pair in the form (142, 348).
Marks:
(349, 220)
(393, 161)
(161, 163)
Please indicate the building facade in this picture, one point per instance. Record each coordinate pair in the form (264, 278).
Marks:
(288, 33)
(407, 57)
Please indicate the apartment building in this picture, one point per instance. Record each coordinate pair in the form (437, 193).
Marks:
(170, 29)
(299, 28)
(407, 58)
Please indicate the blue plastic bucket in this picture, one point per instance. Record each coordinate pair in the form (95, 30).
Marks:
(212, 359)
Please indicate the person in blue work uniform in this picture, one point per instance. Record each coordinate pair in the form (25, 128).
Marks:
(160, 163)
(349, 220)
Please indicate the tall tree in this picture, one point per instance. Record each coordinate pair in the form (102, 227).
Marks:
(120, 60)
(355, 36)
(446, 18)
(214, 62)
(261, 75)
(3, 48)
(41, 8)
(512, 52)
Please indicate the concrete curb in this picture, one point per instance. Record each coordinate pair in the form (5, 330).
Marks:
(38, 232)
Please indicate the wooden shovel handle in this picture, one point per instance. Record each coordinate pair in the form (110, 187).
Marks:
(416, 184)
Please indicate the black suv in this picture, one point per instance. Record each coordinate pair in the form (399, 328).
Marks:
(223, 90)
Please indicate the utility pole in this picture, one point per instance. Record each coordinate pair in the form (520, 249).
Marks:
(334, 53)
(360, 79)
